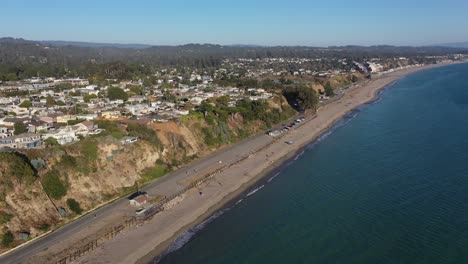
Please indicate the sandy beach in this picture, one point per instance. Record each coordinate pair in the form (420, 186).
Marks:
(147, 240)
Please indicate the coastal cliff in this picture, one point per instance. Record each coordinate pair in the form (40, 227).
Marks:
(45, 188)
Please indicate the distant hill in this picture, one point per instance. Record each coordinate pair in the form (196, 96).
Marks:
(94, 44)
(455, 45)
(26, 58)
(246, 46)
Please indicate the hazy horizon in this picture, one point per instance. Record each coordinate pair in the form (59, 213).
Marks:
(265, 23)
(229, 44)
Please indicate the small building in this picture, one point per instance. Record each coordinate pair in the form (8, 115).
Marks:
(138, 199)
(65, 118)
(110, 114)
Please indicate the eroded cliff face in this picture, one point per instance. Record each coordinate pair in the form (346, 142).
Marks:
(97, 170)
(30, 209)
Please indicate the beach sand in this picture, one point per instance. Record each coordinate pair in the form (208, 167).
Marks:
(143, 243)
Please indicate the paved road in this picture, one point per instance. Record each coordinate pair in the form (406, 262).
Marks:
(166, 185)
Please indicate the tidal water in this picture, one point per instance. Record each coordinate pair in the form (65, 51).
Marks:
(388, 185)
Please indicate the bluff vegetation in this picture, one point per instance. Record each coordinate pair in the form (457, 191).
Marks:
(43, 188)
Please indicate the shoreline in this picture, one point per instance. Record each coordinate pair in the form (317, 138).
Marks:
(158, 240)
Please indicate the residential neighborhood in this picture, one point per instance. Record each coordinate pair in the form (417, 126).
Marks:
(37, 110)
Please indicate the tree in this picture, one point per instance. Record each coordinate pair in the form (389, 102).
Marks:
(147, 82)
(20, 128)
(74, 206)
(166, 85)
(25, 104)
(115, 93)
(169, 97)
(50, 101)
(354, 79)
(308, 98)
(87, 97)
(329, 89)
(138, 90)
(50, 141)
(302, 96)
(223, 101)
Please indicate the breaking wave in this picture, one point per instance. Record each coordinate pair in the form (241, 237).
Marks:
(255, 190)
(273, 177)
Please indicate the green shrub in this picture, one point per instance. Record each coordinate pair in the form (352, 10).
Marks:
(68, 161)
(53, 186)
(117, 134)
(144, 133)
(51, 141)
(111, 128)
(107, 125)
(25, 104)
(154, 172)
(17, 167)
(7, 239)
(89, 150)
(74, 206)
(208, 137)
(5, 218)
(44, 227)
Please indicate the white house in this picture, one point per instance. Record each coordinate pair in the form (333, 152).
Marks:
(63, 136)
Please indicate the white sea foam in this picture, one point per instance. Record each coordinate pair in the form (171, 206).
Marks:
(273, 177)
(255, 190)
(299, 155)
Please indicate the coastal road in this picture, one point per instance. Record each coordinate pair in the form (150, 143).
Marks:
(167, 185)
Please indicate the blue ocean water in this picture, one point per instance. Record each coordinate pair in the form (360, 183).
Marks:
(389, 185)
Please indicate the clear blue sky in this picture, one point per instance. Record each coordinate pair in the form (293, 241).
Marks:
(287, 22)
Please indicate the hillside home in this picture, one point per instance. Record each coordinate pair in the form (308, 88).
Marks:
(23, 141)
(63, 136)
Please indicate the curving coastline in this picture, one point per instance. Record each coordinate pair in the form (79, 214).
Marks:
(152, 239)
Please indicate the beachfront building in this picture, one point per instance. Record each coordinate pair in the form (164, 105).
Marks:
(139, 200)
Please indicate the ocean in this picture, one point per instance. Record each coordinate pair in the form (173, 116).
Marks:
(387, 184)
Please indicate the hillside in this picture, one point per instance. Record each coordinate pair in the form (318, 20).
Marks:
(44, 188)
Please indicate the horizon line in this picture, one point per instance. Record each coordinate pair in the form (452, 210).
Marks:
(234, 44)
